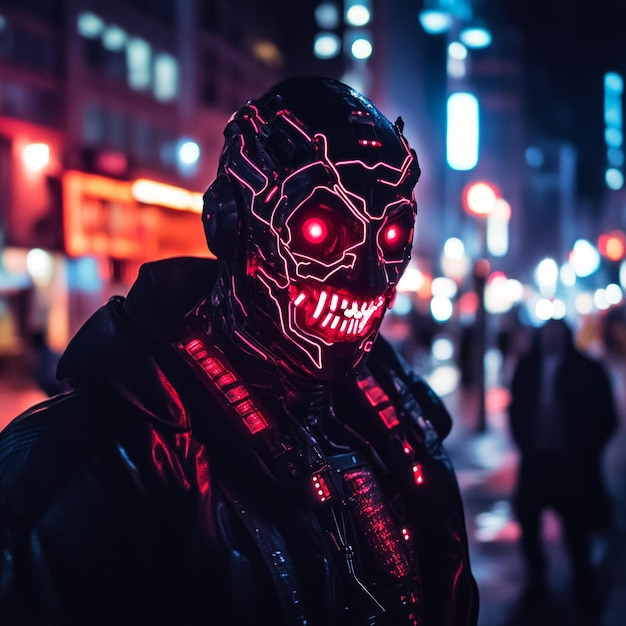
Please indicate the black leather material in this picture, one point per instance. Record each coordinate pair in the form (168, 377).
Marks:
(131, 499)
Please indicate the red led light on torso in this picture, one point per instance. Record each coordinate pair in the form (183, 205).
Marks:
(417, 474)
(228, 384)
(321, 488)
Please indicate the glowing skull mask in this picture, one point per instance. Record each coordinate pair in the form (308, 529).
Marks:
(327, 231)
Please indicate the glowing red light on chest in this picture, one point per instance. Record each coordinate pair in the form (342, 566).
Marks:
(228, 384)
(384, 538)
(380, 401)
(417, 474)
(321, 488)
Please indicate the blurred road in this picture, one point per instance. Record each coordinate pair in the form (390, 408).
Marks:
(486, 466)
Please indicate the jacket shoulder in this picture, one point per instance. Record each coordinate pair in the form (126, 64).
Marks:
(42, 437)
(383, 354)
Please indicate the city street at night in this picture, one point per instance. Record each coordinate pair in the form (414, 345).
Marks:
(486, 464)
(299, 198)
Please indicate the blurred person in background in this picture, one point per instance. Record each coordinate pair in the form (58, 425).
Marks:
(241, 446)
(562, 414)
(45, 361)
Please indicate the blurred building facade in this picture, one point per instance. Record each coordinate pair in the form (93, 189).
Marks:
(111, 119)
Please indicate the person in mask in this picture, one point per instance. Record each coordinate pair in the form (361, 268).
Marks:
(241, 446)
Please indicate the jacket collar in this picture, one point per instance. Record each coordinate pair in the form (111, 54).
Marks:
(123, 352)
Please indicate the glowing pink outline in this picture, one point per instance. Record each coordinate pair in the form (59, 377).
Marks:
(349, 200)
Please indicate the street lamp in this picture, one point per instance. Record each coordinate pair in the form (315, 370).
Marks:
(480, 199)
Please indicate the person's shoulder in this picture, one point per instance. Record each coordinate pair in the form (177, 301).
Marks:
(44, 445)
(431, 404)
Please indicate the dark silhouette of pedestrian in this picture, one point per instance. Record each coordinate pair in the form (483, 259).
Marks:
(562, 414)
(45, 365)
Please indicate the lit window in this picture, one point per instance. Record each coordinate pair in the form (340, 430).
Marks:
(361, 48)
(358, 14)
(138, 58)
(92, 123)
(614, 178)
(165, 77)
(89, 25)
(326, 45)
(327, 15)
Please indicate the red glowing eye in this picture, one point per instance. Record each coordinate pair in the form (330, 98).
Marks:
(314, 230)
(392, 235)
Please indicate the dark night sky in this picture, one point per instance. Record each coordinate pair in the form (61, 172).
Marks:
(567, 47)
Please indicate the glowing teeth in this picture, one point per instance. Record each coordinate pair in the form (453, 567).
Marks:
(327, 320)
(353, 312)
(320, 305)
(339, 318)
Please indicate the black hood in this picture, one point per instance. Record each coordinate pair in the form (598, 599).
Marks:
(115, 354)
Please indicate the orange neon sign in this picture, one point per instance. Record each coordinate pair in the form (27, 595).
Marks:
(161, 194)
(129, 219)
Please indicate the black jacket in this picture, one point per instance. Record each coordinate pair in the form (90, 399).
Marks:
(133, 500)
(583, 393)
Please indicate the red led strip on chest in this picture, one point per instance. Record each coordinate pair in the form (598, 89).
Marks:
(381, 402)
(229, 384)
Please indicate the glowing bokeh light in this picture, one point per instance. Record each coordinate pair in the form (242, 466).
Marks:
(326, 45)
(36, 156)
(614, 294)
(480, 198)
(457, 51)
(567, 275)
(559, 309)
(462, 134)
(361, 48)
(89, 25)
(442, 286)
(614, 178)
(411, 281)
(39, 265)
(441, 308)
(546, 275)
(188, 152)
(402, 304)
(454, 248)
(544, 309)
(600, 300)
(476, 37)
(435, 21)
(327, 15)
(442, 349)
(358, 15)
(584, 303)
(584, 258)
